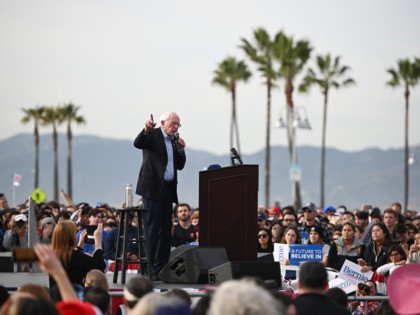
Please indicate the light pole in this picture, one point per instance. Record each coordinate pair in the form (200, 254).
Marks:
(299, 120)
(412, 159)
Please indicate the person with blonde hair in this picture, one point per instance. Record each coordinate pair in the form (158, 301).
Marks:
(240, 297)
(96, 278)
(75, 262)
(148, 304)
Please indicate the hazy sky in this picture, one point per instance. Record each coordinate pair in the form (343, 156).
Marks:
(122, 60)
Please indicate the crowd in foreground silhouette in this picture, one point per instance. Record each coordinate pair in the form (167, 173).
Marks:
(385, 242)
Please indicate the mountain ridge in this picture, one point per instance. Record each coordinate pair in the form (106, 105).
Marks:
(103, 166)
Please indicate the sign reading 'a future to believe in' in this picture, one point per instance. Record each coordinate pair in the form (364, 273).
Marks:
(301, 253)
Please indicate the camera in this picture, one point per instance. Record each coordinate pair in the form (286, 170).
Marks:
(364, 288)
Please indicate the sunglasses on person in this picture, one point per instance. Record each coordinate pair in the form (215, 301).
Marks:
(262, 235)
(307, 210)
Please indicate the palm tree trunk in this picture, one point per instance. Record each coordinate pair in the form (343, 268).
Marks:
(235, 120)
(406, 174)
(69, 162)
(267, 147)
(292, 141)
(55, 148)
(324, 133)
(36, 139)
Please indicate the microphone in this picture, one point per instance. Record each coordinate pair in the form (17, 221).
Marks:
(179, 147)
(235, 156)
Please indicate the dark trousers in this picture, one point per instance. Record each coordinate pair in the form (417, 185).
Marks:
(159, 225)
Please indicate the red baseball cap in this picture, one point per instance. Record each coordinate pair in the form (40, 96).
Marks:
(76, 307)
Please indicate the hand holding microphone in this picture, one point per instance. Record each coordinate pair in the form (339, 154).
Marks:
(179, 142)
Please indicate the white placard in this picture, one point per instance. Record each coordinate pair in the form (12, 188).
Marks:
(351, 273)
(280, 251)
(346, 286)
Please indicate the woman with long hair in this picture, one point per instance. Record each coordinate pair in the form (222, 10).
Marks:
(347, 246)
(291, 236)
(75, 262)
(264, 241)
(376, 251)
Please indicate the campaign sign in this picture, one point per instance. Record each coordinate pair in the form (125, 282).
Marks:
(301, 253)
(351, 273)
(346, 286)
(304, 236)
(367, 234)
(280, 251)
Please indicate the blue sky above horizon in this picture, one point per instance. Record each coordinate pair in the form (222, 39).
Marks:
(122, 60)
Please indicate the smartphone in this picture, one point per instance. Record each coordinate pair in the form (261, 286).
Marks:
(89, 239)
(24, 254)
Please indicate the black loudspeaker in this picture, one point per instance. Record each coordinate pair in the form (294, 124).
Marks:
(264, 270)
(265, 257)
(190, 264)
(6, 262)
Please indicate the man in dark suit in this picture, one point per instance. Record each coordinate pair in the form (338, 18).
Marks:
(163, 155)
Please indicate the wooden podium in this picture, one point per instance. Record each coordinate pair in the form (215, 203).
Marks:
(228, 210)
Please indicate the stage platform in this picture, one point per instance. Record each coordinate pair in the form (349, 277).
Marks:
(13, 280)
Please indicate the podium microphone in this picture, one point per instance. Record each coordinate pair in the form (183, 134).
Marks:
(235, 158)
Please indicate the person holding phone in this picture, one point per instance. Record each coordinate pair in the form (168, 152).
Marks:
(87, 243)
(76, 263)
(163, 156)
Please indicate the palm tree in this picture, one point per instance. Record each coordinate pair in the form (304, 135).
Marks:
(34, 114)
(51, 116)
(408, 75)
(292, 57)
(68, 113)
(228, 74)
(261, 53)
(330, 75)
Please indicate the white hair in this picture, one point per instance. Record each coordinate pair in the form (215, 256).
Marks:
(244, 297)
(166, 116)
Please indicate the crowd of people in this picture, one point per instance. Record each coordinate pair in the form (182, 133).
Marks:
(77, 244)
(379, 241)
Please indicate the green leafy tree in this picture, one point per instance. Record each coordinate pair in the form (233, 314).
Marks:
(292, 56)
(228, 74)
(407, 75)
(68, 114)
(35, 115)
(260, 51)
(329, 73)
(52, 116)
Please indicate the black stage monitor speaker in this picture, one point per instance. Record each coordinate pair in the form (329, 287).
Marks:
(190, 264)
(265, 257)
(265, 270)
(6, 262)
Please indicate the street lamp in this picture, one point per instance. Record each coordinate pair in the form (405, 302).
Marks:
(299, 121)
(412, 158)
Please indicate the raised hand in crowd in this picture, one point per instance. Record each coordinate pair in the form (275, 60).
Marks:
(49, 263)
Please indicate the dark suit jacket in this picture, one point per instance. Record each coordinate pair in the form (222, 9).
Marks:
(155, 158)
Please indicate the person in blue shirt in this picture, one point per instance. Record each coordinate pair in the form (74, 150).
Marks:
(96, 216)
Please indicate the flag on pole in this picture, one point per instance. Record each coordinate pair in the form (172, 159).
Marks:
(16, 179)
